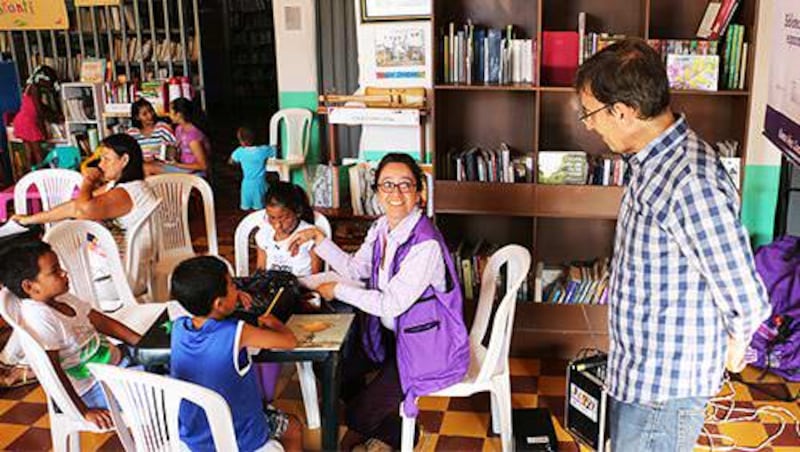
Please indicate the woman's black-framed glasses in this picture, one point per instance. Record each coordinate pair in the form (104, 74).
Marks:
(586, 115)
(388, 186)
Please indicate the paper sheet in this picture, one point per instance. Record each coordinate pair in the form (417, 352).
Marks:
(12, 227)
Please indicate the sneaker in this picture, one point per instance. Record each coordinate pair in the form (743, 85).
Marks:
(14, 376)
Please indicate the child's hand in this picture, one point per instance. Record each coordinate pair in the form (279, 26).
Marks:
(245, 299)
(269, 321)
(100, 418)
(301, 237)
(326, 290)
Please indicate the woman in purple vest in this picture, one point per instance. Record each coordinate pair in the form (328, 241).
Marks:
(411, 324)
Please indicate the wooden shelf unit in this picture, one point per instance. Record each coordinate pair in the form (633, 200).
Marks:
(558, 223)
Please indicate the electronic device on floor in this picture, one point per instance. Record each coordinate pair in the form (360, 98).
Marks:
(586, 414)
(533, 430)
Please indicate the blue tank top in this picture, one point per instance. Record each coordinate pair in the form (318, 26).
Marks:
(211, 357)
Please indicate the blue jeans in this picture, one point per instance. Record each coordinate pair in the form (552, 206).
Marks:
(95, 397)
(671, 426)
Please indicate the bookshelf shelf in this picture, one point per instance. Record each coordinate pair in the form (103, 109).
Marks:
(560, 223)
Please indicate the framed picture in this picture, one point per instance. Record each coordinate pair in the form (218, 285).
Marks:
(395, 10)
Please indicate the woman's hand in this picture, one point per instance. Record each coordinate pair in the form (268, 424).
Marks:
(23, 220)
(301, 237)
(326, 290)
(92, 175)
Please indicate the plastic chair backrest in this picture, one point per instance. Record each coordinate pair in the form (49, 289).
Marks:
(37, 358)
(55, 186)
(172, 217)
(140, 243)
(297, 123)
(70, 242)
(152, 402)
(251, 223)
(518, 262)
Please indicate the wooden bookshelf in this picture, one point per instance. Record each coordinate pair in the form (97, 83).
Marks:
(558, 223)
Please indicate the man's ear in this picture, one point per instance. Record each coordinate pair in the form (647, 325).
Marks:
(29, 287)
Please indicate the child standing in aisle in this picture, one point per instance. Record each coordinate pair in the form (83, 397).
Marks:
(253, 160)
(40, 107)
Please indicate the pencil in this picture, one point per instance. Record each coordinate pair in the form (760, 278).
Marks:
(274, 300)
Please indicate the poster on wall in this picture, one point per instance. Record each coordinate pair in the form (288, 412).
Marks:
(397, 10)
(782, 122)
(33, 15)
(400, 52)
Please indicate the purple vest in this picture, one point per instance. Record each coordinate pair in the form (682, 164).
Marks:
(432, 341)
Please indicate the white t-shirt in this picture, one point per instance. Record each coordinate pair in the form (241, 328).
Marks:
(76, 339)
(278, 255)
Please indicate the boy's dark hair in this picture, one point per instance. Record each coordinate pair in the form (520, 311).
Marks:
(246, 136)
(629, 72)
(405, 159)
(20, 262)
(124, 144)
(292, 197)
(197, 282)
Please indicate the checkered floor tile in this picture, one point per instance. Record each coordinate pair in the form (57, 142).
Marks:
(448, 424)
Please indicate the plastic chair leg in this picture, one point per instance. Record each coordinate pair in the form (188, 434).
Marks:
(308, 386)
(407, 435)
(501, 410)
(64, 439)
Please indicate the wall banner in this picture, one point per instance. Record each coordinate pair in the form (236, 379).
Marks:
(33, 15)
(782, 122)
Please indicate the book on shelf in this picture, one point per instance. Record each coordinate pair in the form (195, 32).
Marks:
(608, 171)
(700, 72)
(704, 29)
(482, 164)
(470, 261)
(575, 283)
(476, 55)
(562, 168)
(559, 57)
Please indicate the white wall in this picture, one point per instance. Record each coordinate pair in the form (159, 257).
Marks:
(296, 47)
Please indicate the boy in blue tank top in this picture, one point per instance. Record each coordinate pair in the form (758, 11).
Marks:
(210, 349)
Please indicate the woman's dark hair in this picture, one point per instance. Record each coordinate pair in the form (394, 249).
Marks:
(20, 262)
(405, 159)
(630, 72)
(189, 111)
(136, 107)
(197, 282)
(124, 144)
(292, 197)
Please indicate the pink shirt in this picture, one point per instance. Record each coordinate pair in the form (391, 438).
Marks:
(184, 136)
(422, 267)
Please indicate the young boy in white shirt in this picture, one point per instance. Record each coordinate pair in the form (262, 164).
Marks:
(69, 330)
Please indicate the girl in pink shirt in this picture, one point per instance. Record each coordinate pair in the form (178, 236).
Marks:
(39, 107)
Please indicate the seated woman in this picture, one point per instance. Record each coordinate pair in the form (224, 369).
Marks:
(148, 129)
(412, 322)
(113, 192)
(193, 145)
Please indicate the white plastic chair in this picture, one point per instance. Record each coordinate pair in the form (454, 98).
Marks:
(171, 222)
(294, 150)
(69, 242)
(152, 404)
(488, 367)
(140, 244)
(55, 186)
(66, 422)
(305, 371)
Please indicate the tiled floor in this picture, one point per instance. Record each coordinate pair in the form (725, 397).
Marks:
(448, 425)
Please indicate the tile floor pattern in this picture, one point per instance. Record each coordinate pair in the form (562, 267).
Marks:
(448, 424)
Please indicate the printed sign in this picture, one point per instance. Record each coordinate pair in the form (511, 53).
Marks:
(373, 116)
(782, 122)
(583, 402)
(97, 2)
(33, 15)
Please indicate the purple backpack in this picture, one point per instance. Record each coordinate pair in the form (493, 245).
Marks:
(776, 343)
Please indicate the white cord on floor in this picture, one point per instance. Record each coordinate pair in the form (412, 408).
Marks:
(719, 412)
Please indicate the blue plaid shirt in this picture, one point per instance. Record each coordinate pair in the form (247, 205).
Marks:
(682, 276)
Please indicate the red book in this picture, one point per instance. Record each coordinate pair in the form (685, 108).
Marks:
(724, 17)
(559, 57)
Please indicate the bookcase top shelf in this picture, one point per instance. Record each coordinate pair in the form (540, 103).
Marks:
(569, 89)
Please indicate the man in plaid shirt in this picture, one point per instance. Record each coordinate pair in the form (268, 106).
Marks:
(684, 295)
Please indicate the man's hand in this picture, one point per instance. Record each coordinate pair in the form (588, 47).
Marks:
(734, 360)
(326, 290)
(100, 418)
